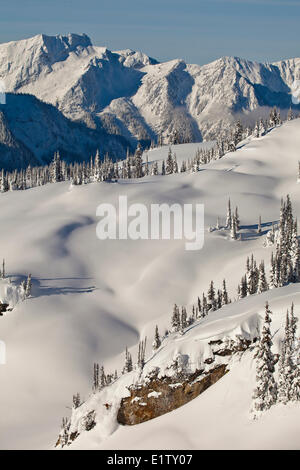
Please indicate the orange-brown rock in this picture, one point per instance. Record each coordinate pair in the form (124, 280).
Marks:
(168, 396)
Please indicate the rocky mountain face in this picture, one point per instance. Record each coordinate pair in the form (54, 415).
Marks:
(129, 94)
(31, 131)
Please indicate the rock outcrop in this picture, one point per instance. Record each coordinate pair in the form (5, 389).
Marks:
(161, 396)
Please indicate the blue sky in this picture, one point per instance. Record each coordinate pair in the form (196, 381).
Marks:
(196, 30)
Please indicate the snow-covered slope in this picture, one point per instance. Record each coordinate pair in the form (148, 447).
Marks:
(130, 94)
(220, 418)
(91, 298)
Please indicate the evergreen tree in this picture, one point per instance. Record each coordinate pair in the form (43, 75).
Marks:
(286, 368)
(23, 289)
(219, 299)
(204, 306)
(103, 382)
(175, 322)
(228, 217)
(128, 361)
(199, 305)
(183, 322)
(265, 393)
(290, 115)
(252, 277)
(225, 299)
(28, 286)
(64, 433)
(262, 281)
(237, 218)
(97, 167)
(138, 162)
(169, 164)
(175, 165)
(211, 297)
(259, 225)
(238, 133)
(142, 353)
(183, 167)
(233, 230)
(295, 389)
(155, 169)
(56, 168)
(273, 282)
(76, 401)
(96, 378)
(157, 341)
(243, 288)
(262, 129)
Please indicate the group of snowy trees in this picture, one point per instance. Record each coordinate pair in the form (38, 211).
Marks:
(254, 281)
(210, 302)
(268, 391)
(25, 286)
(289, 362)
(285, 268)
(232, 221)
(97, 170)
(285, 263)
(101, 379)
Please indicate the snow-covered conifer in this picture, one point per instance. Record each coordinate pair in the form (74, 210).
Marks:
(28, 286)
(183, 319)
(237, 218)
(128, 361)
(225, 299)
(96, 377)
(286, 367)
(76, 401)
(102, 377)
(233, 228)
(138, 162)
(142, 353)
(219, 299)
(211, 297)
(228, 217)
(265, 393)
(290, 114)
(175, 322)
(259, 225)
(204, 306)
(169, 163)
(157, 341)
(243, 288)
(262, 281)
(238, 133)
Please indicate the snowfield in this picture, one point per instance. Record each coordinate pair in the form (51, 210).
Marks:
(91, 298)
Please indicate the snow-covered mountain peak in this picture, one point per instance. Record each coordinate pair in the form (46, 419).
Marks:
(128, 93)
(135, 59)
(58, 47)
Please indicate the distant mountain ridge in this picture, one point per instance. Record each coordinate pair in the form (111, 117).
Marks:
(125, 96)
